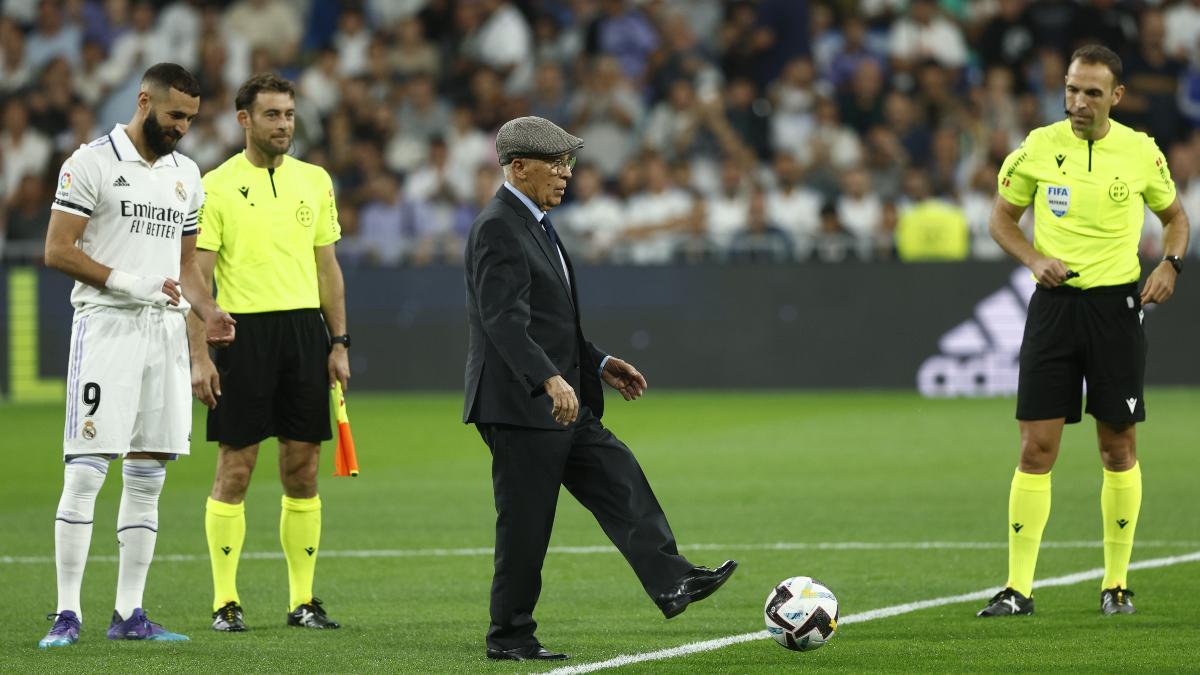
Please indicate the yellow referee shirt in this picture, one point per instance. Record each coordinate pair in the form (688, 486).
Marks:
(1088, 197)
(263, 225)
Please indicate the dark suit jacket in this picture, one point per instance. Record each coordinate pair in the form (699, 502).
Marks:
(524, 322)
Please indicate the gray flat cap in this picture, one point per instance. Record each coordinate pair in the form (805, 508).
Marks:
(533, 137)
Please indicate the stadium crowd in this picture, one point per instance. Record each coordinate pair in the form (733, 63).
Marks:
(743, 130)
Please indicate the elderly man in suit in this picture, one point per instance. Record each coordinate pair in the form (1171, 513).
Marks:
(533, 389)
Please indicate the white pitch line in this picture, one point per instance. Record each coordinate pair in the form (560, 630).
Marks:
(582, 550)
(870, 615)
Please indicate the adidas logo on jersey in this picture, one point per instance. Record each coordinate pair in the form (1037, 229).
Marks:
(120, 182)
(978, 357)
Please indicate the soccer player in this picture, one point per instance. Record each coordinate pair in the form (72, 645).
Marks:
(1088, 177)
(268, 230)
(123, 225)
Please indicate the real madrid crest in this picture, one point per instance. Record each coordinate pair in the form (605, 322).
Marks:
(304, 215)
(180, 192)
(89, 430)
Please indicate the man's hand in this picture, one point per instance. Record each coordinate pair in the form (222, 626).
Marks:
(154, 289)
(220, 328)
(1049, 272)
(1160, 285)
(206, 382)
(566, 404)
(624, 378)
(339, 367)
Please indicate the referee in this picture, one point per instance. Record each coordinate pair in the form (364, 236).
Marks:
(1087, 177)
(268, 230)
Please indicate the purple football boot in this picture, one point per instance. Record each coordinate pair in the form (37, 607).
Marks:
(64, 633)
(138, 627)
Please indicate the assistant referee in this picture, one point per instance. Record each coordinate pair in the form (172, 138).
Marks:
(268, 230)
(1088, 177)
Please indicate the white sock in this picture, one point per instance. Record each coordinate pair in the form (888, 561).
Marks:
(82, 479)
(137, 528)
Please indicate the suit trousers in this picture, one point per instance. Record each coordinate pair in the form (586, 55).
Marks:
(528, 466)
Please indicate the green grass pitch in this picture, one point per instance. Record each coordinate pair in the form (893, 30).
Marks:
(735, 471)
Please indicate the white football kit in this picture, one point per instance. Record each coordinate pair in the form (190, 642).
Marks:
(129, 373)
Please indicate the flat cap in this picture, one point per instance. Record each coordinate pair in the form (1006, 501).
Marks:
(533, 137)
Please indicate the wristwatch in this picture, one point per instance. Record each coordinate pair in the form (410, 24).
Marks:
(1175, 261)
(343, 340)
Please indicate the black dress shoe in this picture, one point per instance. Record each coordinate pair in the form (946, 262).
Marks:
(694, 586)
(533, 652)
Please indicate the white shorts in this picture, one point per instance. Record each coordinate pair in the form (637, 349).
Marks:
(129, 382)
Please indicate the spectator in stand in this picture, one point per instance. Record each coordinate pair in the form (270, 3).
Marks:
(930, 229)
(15, 71)
(352, 40)
(833, 242)
(977, 202)
(1182, 40)
(1007, 40)
(910, 128)
(437, 185)
(782, 32)
(1047, 85)
(549, 98)
(606, 110)
(859, 210)
(760, 240)
(656, 218)
(1151, 84)
(52, 37)
(946, 170)
(413, 54)
(467, 144)
(885, 162)
(24, 225)
(274, 25)
(23, 150)
(832, 149)
(386, 223)
(681, 57)
(593, 219)
(925, 34)
(726, 210)
(626, 34)
(793, 98)
(861, 103)
(747, 115)
(855, 49)
(503, 43)
(793, 206)
(135, 49)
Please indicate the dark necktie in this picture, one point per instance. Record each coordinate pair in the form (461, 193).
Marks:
(551, 233)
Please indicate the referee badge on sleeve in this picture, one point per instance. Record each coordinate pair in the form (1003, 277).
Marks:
(1058, 198)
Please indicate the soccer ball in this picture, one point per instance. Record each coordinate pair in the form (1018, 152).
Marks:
(801, 614)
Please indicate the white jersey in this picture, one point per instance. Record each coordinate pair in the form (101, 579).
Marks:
(137, 213)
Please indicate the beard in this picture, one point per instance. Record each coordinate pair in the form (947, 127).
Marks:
(268, 148)
(160, 141)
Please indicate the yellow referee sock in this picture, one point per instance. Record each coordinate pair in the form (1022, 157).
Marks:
(225, 526)
(1120, 501)
(300, 534)
(1028, 511)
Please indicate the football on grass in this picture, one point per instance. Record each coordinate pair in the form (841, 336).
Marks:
(801, 613)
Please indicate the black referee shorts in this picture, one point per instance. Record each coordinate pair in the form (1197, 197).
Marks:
(274, 380)
(1073, 335)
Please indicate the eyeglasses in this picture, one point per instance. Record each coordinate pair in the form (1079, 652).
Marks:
(562, 165)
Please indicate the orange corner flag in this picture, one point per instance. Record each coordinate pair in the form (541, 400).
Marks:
(345, 461)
